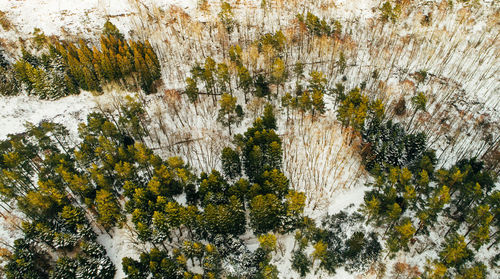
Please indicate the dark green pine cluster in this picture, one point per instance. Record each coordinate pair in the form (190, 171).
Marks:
(62, 68)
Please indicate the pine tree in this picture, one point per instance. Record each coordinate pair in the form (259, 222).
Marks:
(268, 118)
(454, 251)
(244, 80)
(261, 87)
(26, 262)
(286, 101)
(419, 101)
(108, 208)
(401, 236)
(223, 78)
(110, 29)
(227, 113)
(265, 213)
(226, 17)
(279, 73)
(295, 204)
(231, 163)
(192, 90)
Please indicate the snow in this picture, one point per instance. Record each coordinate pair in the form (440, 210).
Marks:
(61, 17)
(463, 88)
(118, 247)
(15, 111)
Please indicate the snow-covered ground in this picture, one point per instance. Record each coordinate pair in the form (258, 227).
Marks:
(61, 17)
(464, 86)
(15, 111)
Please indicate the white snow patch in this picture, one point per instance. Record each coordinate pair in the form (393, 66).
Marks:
(15, 111)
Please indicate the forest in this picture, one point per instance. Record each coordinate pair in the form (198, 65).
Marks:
(253, 197)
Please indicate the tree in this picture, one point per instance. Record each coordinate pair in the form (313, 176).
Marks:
(268, 119)
(279, 73)
(227, 112)
(110, 29)
(223, 78)
(3, 61)
(479, 226)
(244, 80)
(225, 219)
(354, 109)
(267, 242)
(231, 163)
(419, 101)
(454, 251)
(265, 213)
(401, 236)
(320, 251)
(389, 12)
(226, 17)
(192, 90)
(286, 101)
(301, 263)
(477, 271)
(108, 208)
(26, 262)
(261, 87)
(295, 204)
(317, 85)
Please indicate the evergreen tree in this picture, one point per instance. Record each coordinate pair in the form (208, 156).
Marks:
(192, 90)
(265, 213)
(231, 163)
(111, 30)
(26, 262)
(108, 208)
(226, 17)
(268, 119)
(454, 251)
(227, 112)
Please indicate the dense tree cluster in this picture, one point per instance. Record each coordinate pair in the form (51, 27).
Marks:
(319, 27)
(111, 178)
(63, 68)
(410, 198)
(340, 240)
(55, 221)
(388, 144)
(410, 202)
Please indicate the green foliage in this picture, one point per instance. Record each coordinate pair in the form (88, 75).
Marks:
(155, 264)
(319, 27)
(26, 262)
(389, 144)
(66, 67)
(390, 12)
(226, 17)
(265, 213)
(276, 41)
(108, 208)
(110, 29)
(335, 246)
(8, 82)
(227, 111)
(261, 87)
(355, 108)
(192, 90)
(401, 235)
(301, 263)
(268, 118)
(261, 148)
(231, 163)
(454, 251)
(317, 86)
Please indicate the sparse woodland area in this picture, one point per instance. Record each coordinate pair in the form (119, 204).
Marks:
(260, 139)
